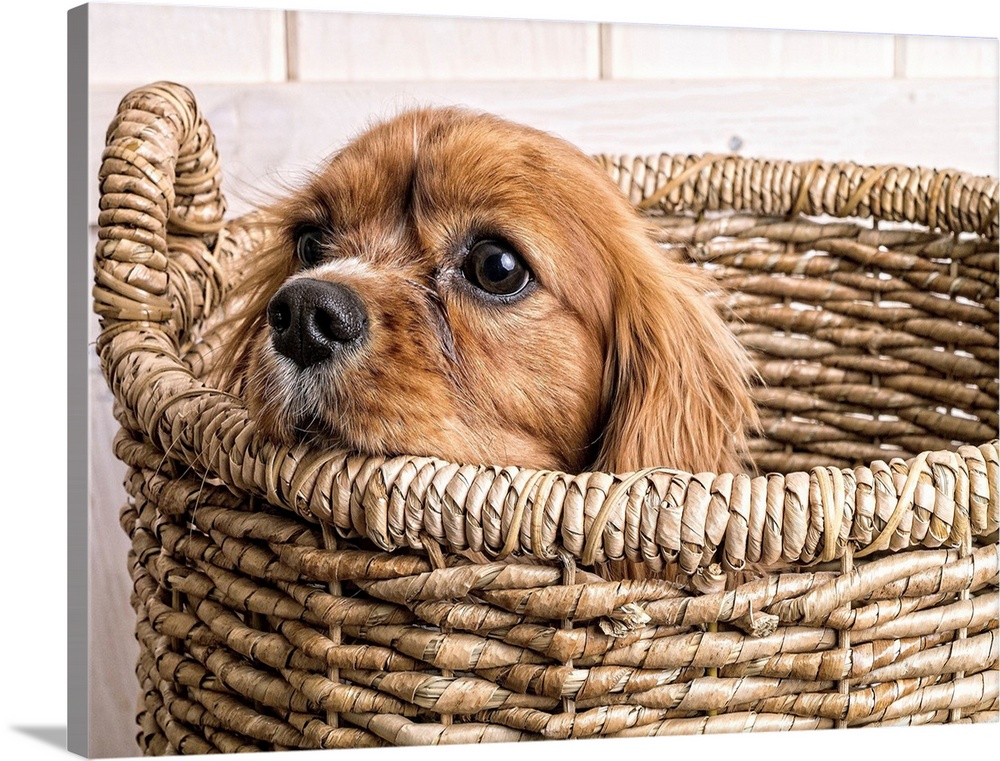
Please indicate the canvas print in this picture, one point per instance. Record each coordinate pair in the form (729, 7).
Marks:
(615, 381)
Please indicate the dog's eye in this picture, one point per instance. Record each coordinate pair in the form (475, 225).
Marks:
(309, 246)
(495, 268)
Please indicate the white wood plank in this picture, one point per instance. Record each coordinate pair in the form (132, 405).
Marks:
(359, 47)
(135, 44)
(643, 51)
(941, 57)
(270, 136)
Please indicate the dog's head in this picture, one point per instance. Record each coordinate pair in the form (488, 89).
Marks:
(454, 285)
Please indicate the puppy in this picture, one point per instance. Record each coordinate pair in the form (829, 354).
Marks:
(454, 285)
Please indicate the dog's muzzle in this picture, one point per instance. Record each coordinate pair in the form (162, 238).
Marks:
(314, 320)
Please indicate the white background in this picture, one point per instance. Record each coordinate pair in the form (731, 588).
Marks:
(34, 540)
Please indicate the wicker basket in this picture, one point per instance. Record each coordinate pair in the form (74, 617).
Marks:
(295, 598)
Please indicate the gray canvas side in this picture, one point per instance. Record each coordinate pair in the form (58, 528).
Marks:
(78, 307)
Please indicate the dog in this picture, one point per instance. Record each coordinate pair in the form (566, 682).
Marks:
(455, 285)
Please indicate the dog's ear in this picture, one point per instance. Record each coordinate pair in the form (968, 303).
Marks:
(676, 382)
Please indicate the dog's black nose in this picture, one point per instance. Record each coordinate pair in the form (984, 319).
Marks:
(312, 319)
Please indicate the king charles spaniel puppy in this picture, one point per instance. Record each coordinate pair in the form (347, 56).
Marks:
(454, 285)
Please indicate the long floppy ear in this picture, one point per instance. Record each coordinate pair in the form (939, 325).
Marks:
(677, 382)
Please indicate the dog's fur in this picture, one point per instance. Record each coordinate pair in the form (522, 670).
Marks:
(612, 358)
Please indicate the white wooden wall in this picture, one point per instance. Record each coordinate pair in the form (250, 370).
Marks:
(284, 88)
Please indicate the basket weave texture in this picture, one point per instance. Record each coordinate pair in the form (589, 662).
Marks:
(297, 598)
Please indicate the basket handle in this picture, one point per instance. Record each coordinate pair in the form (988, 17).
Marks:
(159, 177)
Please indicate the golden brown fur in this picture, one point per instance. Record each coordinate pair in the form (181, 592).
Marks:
(613, 359)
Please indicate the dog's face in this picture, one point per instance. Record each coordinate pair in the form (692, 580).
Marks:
(458, 286)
